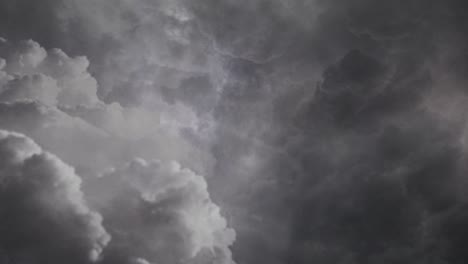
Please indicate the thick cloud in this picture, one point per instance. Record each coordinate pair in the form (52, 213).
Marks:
(329, 131)
(52, 98)
(43, 214)
(30, 72)
(161, 212)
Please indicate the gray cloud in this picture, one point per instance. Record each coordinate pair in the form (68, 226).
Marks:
(55, 98)
(329, 131)
(44, 216)
(52, 98)
(161, 212)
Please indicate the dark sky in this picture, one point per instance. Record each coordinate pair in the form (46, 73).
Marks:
(221, 131)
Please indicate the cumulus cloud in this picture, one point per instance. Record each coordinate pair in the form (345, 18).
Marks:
(163, 213)
(56, 100)
(31, 72)
(44, 216)
(52, 98)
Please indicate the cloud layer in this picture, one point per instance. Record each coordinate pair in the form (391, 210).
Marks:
(328, 131)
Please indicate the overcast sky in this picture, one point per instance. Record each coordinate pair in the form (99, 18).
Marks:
(228, 131)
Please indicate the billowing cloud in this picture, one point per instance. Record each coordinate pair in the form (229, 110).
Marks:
(328, 131)
(52, 98)
(162, 212)
(44, 216)
(30, 72)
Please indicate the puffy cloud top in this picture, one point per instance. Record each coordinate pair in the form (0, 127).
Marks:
(28, 71)
(161, 206)
(52, 98)
(156, 212)
(44, 217)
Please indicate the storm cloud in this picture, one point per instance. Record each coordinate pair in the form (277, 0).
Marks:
(53, 99)
(325, 131)
(44, 216)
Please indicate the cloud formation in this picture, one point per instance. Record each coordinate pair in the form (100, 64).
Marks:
(56, 98)
(328, 131)
(44, 216)
(52, 98)
(30, 72)
(163, 213)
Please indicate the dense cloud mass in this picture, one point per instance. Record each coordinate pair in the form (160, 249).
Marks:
(163, 213)
(326, 131)
(168, 215)
(43, 214)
